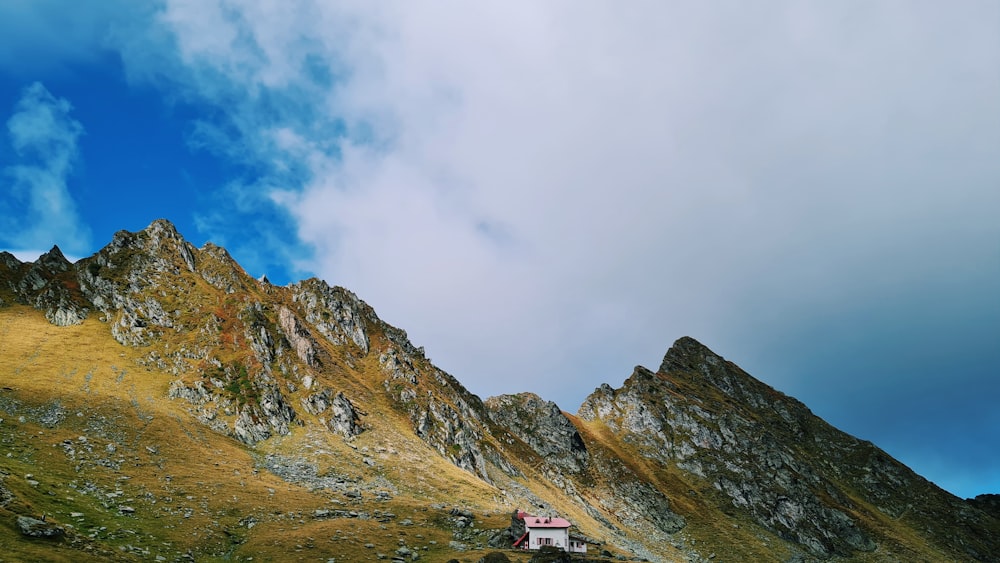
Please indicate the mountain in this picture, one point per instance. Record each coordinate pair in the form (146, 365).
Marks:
(158, 403)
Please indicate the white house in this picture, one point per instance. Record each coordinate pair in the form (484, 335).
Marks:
(545, 530)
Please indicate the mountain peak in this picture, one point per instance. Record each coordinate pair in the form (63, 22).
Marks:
(160, 228)
(687, 354)
(9, 260)
(54, 260)
(159, 240)
(693, 361)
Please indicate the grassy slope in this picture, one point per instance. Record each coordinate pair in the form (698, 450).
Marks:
(96, 383)
(191, 490)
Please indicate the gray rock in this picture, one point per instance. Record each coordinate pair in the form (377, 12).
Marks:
(66, 314)
(344, 419)
(196, 394)
(336, 313)
(34, 528)
(271, 415)
(298, 336)
(6, 496)
(543, 426)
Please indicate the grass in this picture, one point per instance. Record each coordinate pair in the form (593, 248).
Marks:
(192, 489)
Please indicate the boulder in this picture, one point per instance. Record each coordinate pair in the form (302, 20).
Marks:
(35, 528)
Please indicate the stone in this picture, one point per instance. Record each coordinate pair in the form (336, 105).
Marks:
(35, 528)
(344, 419)
(298, 336)
(6, 495)
(336, 313)
(543, 426)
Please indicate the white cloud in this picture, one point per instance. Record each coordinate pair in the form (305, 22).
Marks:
(40, 208)
(546, 194)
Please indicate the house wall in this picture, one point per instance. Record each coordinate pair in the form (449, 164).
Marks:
(559, 537)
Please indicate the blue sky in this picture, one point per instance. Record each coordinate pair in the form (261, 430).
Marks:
(545, 195)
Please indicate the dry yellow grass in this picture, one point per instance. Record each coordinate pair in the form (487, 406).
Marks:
(191, 487)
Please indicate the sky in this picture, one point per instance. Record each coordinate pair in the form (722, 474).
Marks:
(544, 195)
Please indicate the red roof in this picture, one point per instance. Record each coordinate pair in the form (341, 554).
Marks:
(543, 522)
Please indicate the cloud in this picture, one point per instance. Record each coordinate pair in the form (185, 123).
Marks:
(545, 195)
(39, 208)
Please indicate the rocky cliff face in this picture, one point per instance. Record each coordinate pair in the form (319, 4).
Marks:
(767, 456)
(542, 426)
(693, 459)
(47, 284)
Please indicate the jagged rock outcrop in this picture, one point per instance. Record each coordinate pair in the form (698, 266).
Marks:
(47, 284)
(8, 261)
(543, 426)
(449, 418)
(453, 433)
(343, 418)
(219, 269)
(117, 279)
(270, 415)
(336, 313)
(299, 337)
(196, 394)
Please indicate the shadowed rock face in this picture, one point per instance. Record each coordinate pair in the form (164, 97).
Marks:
(342, 419)
(46, 284)
(699, 443)
(543, 426)
(987, 503)
(767, 456)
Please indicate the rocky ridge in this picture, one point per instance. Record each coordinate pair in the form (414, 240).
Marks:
(695, 458)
